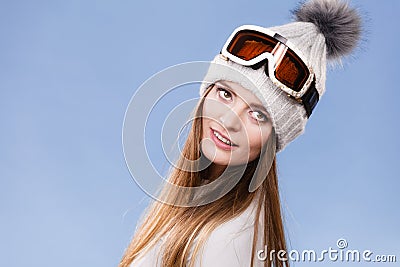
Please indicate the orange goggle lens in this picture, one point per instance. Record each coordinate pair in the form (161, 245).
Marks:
(291, 71)
(250, 44)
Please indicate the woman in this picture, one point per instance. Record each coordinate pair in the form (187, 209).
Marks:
(256, 97)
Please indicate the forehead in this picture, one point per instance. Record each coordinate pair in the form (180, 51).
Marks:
(242, 92)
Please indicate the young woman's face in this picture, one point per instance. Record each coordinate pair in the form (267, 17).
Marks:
(235, 125)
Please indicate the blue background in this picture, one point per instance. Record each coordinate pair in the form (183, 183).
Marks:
(67, 72)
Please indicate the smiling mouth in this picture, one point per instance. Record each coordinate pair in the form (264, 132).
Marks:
(222, 138)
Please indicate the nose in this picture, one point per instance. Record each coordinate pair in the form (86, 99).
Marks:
(231, 120)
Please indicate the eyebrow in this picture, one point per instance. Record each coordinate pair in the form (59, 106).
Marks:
(252, 105)
(224, 84)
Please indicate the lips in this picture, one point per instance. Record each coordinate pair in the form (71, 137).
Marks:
(221, 140)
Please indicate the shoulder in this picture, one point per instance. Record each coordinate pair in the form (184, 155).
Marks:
(230, 244)
(150, 257)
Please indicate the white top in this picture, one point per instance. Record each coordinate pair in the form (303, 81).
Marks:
(229, 244)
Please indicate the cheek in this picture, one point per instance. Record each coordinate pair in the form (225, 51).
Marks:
(208, 108)
(257, 137)
(211, 113)
(213, 108)
(207, 115)
(205, 126)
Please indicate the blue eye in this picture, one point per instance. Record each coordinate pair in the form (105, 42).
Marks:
(226, 95)
(259, 116)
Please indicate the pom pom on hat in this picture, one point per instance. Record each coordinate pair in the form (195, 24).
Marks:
(340, 24)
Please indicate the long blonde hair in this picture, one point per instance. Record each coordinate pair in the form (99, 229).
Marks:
(181, 225)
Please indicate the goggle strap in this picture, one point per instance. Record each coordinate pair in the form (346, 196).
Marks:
(310, 99)
(280, 38)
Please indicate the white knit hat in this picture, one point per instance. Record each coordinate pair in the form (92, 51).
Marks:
(323, 30)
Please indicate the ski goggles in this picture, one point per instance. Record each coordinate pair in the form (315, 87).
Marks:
(255, 46)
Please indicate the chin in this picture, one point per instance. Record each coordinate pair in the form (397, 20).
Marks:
(221, 161)
(222, 158)
(218, 157)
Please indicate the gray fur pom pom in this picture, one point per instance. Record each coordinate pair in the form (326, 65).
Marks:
(340, 24)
